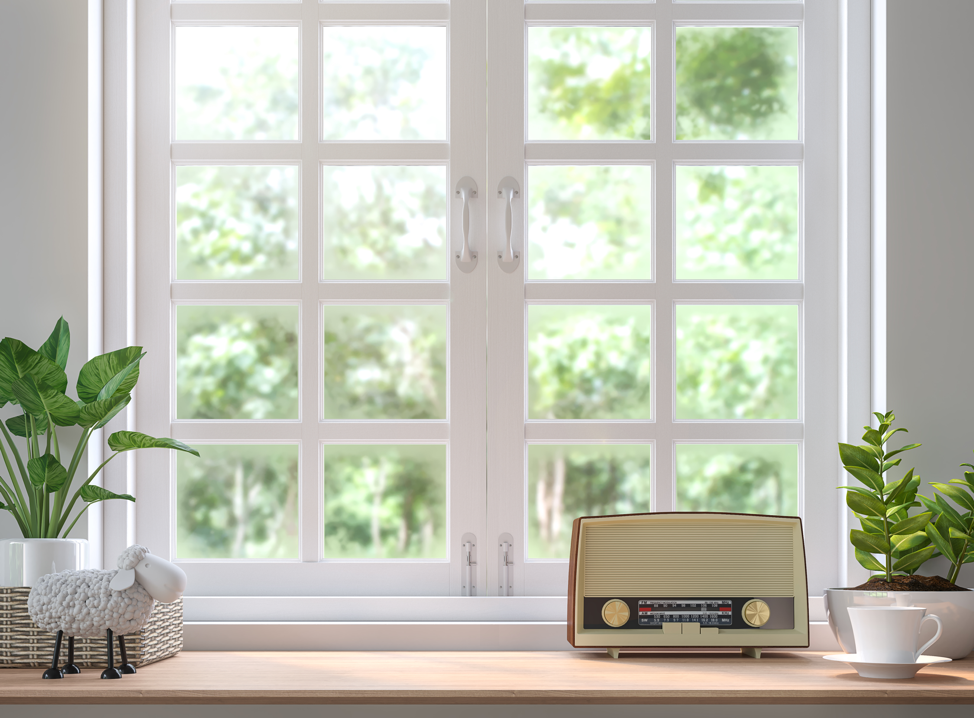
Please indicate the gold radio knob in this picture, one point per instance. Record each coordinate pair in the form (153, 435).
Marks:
(615, 613)
(756, 612)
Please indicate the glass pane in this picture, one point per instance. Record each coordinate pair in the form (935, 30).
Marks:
(740, 478)
(589, 362)
(384, 222)
(237, 222)
(737, 83)
(237, 83)
(236, 362)
(237, 501)
(736, 222)
(385, 362)
(565, 482)
(589, 222)
(385, 501)
(383, 83)
(737, 362)
(589, 83)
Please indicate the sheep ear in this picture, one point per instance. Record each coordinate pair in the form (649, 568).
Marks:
(123, 579)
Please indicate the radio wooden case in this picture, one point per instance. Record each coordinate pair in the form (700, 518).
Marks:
(701, 580)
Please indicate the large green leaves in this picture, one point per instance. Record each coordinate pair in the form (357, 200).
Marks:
(46, 473)
(19, 424)
(94, 494)
(109, 375)
(58, 344)
(131, 440)
(865, 504)
(18, 360)
(957, 494)
(40, 400)
(857, 456)
(942, 544)
(911, 525)
(99, 413)
(869, 561)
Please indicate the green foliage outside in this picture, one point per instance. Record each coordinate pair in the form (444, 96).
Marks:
(739, 478)
(238, 501)
(565, 482)
(584, 83)
(385, 501)
(589, 362)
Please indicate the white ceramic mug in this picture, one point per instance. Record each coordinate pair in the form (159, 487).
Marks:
(889, 634)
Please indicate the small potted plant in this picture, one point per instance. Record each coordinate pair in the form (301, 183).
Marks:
(894, 544)
(37, 482)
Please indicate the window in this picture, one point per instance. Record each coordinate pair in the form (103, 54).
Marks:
(649, 322)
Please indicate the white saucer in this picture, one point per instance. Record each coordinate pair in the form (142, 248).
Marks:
(885, 670)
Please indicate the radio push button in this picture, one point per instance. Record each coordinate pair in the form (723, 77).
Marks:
(756, 613)
(615, 613)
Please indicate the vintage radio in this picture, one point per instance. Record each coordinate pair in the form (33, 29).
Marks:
(706, 580)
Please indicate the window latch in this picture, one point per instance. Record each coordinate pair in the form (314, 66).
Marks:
(466, 190)
(505, 557)
(469, 575)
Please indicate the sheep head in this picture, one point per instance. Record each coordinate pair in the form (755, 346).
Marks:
(161, 579)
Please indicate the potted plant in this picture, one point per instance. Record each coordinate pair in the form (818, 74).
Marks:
(37, 482)
(894, 544)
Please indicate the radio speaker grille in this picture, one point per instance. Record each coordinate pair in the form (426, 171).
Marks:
(667, 560)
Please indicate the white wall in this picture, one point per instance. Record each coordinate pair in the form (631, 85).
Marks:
(43, 180)
(930, 236)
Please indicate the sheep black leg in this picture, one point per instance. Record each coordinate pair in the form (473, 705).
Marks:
(69, 668)
(54, 671)
(111, 671)
(126, 666)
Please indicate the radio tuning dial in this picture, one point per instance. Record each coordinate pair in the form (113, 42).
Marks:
(756, 613)
(615, 613)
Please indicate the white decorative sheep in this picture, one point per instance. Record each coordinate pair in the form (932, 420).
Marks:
(91, 603)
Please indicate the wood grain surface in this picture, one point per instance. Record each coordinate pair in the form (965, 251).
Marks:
(492, 678)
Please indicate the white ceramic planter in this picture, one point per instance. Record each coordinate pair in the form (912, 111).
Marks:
(955, 608)
(23, 561)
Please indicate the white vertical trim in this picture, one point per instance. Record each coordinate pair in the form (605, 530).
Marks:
(95, 239)
(879, 204)
(854, 264)
(119, 241)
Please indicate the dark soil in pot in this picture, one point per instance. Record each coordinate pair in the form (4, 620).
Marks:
(909, 583)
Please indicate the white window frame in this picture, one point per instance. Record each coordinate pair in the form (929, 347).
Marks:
(114, 296)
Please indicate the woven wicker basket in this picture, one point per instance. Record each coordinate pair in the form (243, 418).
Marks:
(22, 644)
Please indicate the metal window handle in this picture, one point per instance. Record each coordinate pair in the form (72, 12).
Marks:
(466, 190)
(507, 190)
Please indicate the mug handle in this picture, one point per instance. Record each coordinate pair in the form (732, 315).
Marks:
(940, 629)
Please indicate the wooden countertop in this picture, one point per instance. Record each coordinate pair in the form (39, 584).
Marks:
(498, 678)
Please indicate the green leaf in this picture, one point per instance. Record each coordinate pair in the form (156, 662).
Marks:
(871, 525)
(868, 561)
(39, 399)
(955, 534)
(46, 473)
(942, 544)
(93, 494)
(872, 437)
(130, 440)
(907, 543)
(18, 425)
(97, 373)
(893, 488)
(866, 505)
(887, 436)
(867, 476)
(881, 418)
(957, 494)
(870, 543)
(99, 413)
(57, 345)
(112, 387)
(911, 525)
(913, 561)
(857, 456)
(17, 360)
(908, 447)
